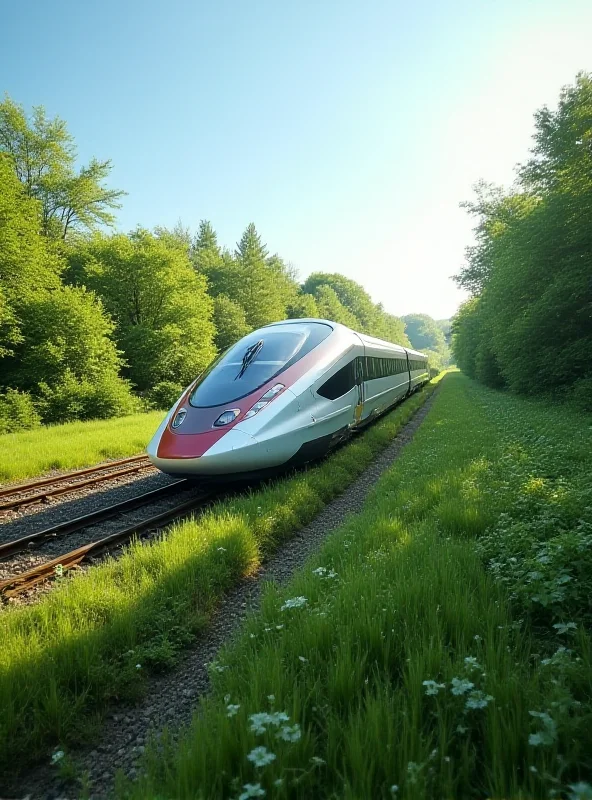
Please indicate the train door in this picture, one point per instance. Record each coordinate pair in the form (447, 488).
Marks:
(359, 373)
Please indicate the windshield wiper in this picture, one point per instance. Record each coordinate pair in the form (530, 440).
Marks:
(249, 357)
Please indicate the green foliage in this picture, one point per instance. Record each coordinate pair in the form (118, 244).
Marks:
(253, 286)
(303, 306)
(343, 300)
(163, 395)
(42, 155)
(532, 262)
(65, 331)
(17, 412)
(330, 307)
(424, 333)
(159, 303)
(73, 398)
(229, 321)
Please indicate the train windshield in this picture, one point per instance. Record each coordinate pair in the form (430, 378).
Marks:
(254, 361)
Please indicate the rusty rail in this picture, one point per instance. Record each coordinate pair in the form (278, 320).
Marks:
(10, 587)
(61, 483)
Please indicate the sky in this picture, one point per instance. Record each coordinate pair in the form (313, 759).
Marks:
(348, 132)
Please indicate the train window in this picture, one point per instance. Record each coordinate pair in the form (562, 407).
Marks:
(340, 383)
(272, 351)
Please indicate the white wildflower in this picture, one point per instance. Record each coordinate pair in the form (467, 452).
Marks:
(432, 687)
(318, 762)
(320, 571)
(278, 782)
(251, 790)
(226, 699)
(259, 722)
(261, 756)
(461, 729)
(304, 660)
(472, 663)
(232, 710)
(278, 627)
(332, 574)
(478, 699)
(294, 602)
(271, 698)
(477, 638)
(289, 733)
(221, 549)
(138, 666)
(461, 686)
(59, 570)
(57, 756)
(394, 789)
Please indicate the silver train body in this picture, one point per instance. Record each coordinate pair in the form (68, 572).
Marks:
(285, 394)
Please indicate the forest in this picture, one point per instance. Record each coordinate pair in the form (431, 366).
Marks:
(96, 323)
(528, 323)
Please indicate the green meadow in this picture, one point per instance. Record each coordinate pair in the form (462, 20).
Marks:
(28, 454)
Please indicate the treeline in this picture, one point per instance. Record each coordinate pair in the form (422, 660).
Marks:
(528, 324)
(97, 325)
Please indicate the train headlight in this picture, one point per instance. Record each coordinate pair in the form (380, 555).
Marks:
(256, 408)
(265, 399)
(227, 417)
(271, 393)
(179, 417)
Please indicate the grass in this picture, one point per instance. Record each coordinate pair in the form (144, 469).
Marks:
(96, 636)
(74, 444)
(420, 653)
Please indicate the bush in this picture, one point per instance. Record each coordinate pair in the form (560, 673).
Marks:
(581, 394)
(17, 412)
(164, 394)
(72, 399)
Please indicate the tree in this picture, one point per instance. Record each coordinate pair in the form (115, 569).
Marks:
(229, 321)
(55, 338)
(303, 306)
(532, 262)
(425, 334)
(256, 285)
(161, 309)
(330, 307)
(363, 314)
(42, 154)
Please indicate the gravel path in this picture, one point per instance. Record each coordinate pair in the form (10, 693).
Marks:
(171, 698)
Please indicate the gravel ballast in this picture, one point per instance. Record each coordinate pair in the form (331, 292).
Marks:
(171, 698)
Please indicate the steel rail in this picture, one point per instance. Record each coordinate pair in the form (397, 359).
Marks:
(23, 487)
(10, 587)
(64, 488)
(84, 521)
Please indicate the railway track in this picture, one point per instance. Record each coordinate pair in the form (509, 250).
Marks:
(23, 494)
(23, 581)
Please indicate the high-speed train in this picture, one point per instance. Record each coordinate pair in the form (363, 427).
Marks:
(283, 395)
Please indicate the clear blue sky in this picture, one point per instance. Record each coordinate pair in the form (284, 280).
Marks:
(347, 131)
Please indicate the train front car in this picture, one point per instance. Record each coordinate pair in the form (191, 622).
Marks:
(254, 409)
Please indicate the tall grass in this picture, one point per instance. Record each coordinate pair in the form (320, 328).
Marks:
(64, 658)
(400, 662)
(74, 444)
